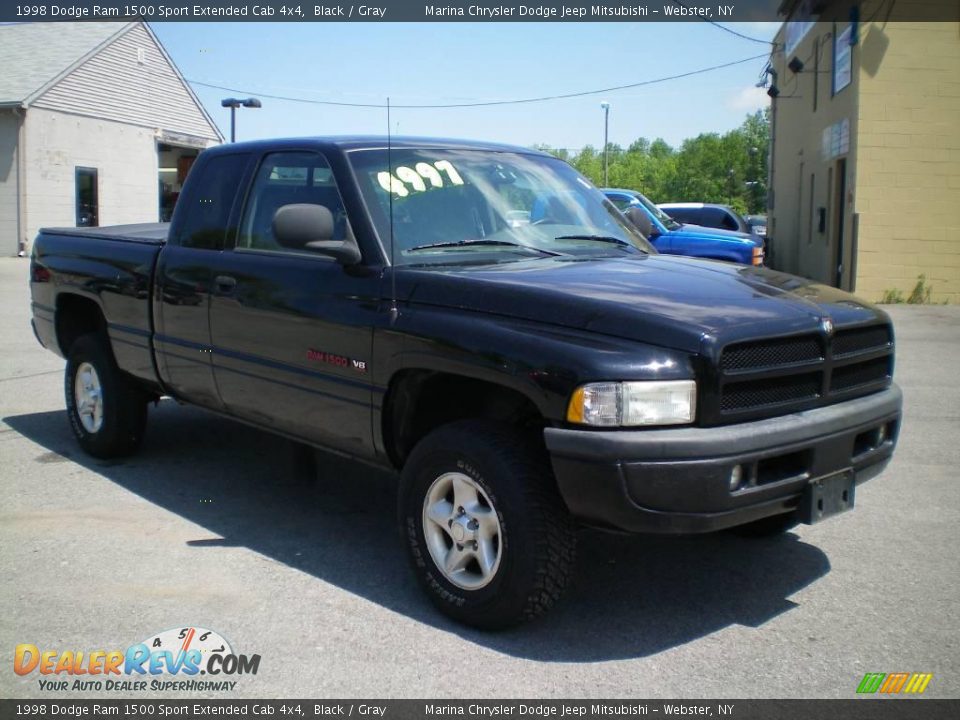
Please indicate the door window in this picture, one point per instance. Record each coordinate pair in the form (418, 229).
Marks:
(685, 214)
(717, 217)
(207, 200)
(88, 202)
(283, 179)
(729, 222)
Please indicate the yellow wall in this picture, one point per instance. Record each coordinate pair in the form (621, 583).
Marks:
(803, 179)
(903, 163)
(908, 179)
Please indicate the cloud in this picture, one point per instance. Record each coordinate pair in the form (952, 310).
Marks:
(749, 99)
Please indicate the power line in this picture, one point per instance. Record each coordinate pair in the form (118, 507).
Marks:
(490, 103)
(726, 29)
(741, 35)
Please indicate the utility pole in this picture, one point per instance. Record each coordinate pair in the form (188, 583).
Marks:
(606, 139)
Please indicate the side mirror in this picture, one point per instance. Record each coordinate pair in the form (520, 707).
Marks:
(304, 226)
(640, 220)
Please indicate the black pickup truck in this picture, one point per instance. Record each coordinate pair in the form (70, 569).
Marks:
(481, 319)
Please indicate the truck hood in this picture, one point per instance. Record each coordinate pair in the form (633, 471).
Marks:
(676, 302)
(698, 232)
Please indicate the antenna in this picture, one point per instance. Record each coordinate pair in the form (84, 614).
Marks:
(394, 310)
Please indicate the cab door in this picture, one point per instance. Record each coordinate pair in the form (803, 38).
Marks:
(292, 330)
(184, 278)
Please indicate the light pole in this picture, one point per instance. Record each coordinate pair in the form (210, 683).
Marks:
(233, 104)
(606, 133)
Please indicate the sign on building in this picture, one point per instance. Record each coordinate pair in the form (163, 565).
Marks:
(842, 60)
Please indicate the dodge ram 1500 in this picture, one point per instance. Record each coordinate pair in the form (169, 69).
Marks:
(481, 319)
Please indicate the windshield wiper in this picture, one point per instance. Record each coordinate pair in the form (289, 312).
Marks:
(467, 243)
(600, 238)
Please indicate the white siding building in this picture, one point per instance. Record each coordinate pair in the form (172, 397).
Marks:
(97, 127)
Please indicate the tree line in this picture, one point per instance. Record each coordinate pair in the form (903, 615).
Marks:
(729, 168)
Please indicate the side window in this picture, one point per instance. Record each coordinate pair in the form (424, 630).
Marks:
(690, 216)
(207, 200)
(729, 222)
(712, 217)
(285, 178)
(620, 201)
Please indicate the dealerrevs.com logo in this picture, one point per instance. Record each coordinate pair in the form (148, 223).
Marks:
(172, 660)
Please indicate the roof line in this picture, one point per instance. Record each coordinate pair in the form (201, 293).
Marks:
(73, 66)
(183, 81)
(152, 128)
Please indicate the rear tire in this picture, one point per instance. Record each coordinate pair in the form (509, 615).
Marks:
(106, 409)
(488, 536)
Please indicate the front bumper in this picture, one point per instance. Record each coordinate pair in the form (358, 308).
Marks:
(677, 480)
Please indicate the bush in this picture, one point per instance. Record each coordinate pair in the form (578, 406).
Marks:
(920, 295)
(891, 297)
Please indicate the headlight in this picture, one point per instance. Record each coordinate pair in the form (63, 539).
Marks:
(625, 404)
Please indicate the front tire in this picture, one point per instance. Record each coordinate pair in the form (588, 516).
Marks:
(106, 410)
(487, 534)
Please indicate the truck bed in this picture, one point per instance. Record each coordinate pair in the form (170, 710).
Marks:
(148, 233)
(106, 267)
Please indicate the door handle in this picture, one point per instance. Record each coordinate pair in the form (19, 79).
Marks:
(225, 284)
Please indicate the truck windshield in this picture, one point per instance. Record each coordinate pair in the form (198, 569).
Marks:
(452, 206)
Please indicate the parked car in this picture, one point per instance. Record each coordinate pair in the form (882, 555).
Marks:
(675, 238)
(384, 300)
(758, 224)
(722, 217)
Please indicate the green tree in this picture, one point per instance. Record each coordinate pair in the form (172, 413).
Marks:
(729, 168)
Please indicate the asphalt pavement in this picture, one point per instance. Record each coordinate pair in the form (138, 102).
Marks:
(219, 526)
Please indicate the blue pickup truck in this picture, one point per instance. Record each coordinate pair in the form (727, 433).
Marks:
(674, 238)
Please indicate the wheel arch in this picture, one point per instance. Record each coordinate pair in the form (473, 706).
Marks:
(419, 400)
(76, 316)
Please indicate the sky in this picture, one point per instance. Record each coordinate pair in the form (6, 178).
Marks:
(441, 63)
